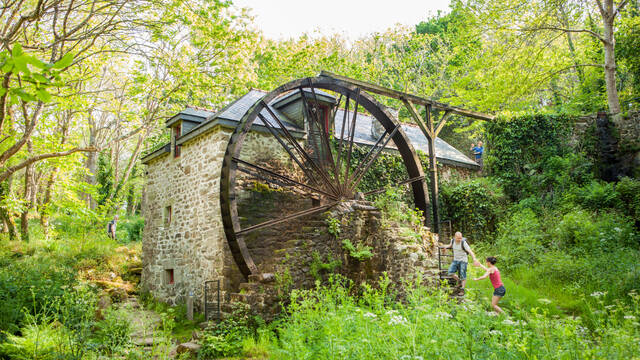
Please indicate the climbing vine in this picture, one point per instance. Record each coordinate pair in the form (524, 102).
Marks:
(520, 149)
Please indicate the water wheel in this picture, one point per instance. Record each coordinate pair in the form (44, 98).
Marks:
(292, 156)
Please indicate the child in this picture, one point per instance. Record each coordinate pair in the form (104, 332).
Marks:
(493, 273)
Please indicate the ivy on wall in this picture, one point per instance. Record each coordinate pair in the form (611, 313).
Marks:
(521, 148)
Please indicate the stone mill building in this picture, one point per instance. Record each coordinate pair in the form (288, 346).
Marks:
(184, 243)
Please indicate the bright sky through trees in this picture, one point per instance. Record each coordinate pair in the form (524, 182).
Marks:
(353, 18)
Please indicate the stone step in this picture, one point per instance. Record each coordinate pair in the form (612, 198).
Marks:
(251, 286)
(249, 299)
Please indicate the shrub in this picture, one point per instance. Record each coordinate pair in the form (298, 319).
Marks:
(226, 338)
(130, 228)
(318, 267)
(27, 286)
(594, 196)
(521, 240)
(473, 207)
(628, 192)
(113, 333)
(359, 252)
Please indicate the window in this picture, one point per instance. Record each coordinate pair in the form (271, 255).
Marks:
(167, 215)
(176, 147)
(168, 276)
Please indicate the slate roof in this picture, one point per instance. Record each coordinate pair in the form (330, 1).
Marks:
(233, 113)
(444, 151)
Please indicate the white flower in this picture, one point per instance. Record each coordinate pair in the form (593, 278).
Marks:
(443, 315)
(391, 312)
(511, 322)
(495, 332)
(491, 313)
(397, 319)
(370, 315)
(629, 317)
(617, 229)
(544, 301)
(597, 294)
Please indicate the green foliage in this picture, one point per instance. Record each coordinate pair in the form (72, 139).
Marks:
(628, 193)
(474, 207)
(359, 252)
(28, 286)
(130, 228)
(333, 226)
(520, 241)
(113, 333)
(562, 255)
(394, 207)
(318, 267)
(226, 338)
(328, 322)
(527, 154)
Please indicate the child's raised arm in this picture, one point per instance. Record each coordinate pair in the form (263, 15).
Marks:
(486, 275)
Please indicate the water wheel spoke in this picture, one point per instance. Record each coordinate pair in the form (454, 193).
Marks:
(404, 182)
(325, 135)
(358, 176)
(274, 132)
(259, 172)
(326, 180)
(344, 121)
(311, 121)
(351, 134)
(307, 212)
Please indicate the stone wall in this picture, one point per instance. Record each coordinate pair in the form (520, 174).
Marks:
(628, 132)
(192, 244)
(307, 252)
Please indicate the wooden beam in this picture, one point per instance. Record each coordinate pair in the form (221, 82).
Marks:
(443, 120)
(433, 171)
(377, 89)
(417, 119)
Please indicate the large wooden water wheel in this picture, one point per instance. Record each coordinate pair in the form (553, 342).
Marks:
(295, 148)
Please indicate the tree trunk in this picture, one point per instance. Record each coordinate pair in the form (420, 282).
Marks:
(28, 188)
(5, 188)
(613, 101)
(91, 165)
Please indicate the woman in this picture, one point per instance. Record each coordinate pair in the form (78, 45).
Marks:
(492, 272)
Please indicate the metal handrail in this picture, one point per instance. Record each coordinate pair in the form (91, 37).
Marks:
(207, 304)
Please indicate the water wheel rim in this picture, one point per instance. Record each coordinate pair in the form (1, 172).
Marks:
(228, 201)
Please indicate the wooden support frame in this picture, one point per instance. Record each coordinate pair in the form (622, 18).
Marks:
(427, 126)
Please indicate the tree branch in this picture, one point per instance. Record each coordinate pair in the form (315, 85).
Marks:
(10, 170)
(556, 28)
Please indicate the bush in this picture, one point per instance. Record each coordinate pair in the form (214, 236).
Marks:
(474, 207)
(520, 242)
(628, 192)
(27, 286)
(113, 333)
(226, 338)
(594, 196)
(130, 229)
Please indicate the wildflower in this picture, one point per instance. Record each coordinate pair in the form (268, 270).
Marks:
(597, 294)
(391, 312)
(491, 313)
(397, 319)
(544, 301)
(617, 229)
(495, 332)
(629, 317)
(370, 315)
(443, 315)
